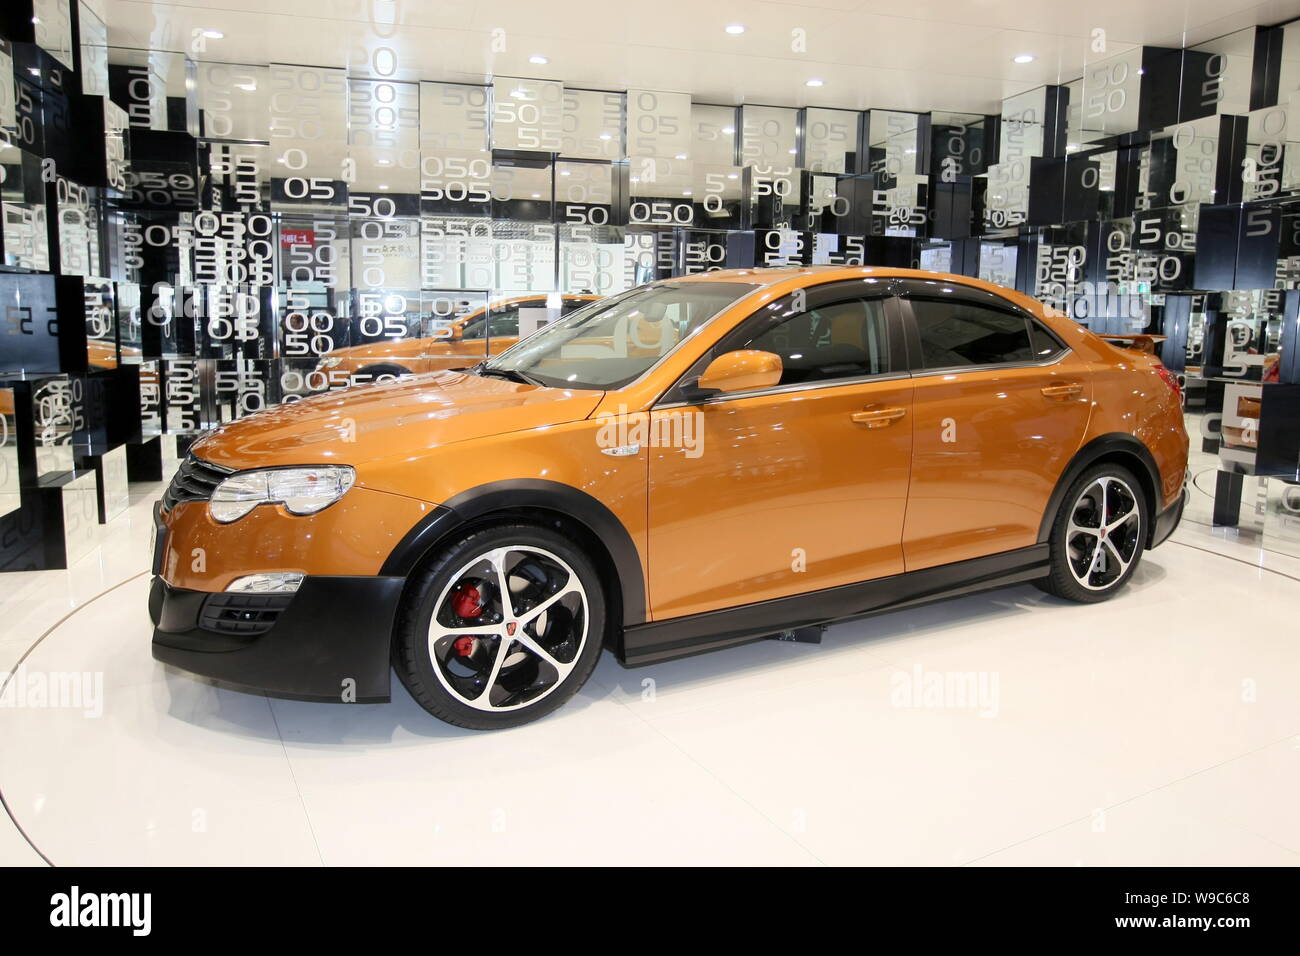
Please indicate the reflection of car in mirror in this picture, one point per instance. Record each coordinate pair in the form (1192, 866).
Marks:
(687, 465)
(455, 343)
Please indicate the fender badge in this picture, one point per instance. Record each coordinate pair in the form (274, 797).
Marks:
(621, 451)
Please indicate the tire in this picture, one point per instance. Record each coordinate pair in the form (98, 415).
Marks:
(1077, 573)
(451, 629)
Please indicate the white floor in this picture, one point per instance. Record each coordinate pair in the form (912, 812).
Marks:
(1160, 728)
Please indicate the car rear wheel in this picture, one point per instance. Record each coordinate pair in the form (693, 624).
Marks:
(1097, 538)
(501, 628)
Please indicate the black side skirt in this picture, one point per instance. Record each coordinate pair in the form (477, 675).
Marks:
(694, 633)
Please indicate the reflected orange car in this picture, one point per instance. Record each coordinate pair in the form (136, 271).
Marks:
(468, 339)
(100, 354)
(691, 464)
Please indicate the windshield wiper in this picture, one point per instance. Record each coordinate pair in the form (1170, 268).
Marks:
(509, 374)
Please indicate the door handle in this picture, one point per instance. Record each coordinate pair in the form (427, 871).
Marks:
(1069, 390)
(878, 417)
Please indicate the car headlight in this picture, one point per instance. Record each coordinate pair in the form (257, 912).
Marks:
(302, 491)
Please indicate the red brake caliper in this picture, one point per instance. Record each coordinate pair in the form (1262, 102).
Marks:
(467, 602)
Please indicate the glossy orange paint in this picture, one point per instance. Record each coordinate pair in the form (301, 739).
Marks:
(742, 370)
(792, 491)
(447, 350)
(790, 495)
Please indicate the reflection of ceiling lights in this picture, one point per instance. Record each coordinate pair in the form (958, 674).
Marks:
(635, 180)
(538, 59)
(686, 192)
(564, 172)
(793, 152)
(814, 82)
(728, 130)
(519, 94)
(383, 185)
(681, 155)
(606, 136)
(247, 86)
(735, 29)
(733, 175)
(213, 34)
(384, 162)
(1023, 58)
(537, 195)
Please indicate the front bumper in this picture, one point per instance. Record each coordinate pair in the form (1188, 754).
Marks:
(330, 641)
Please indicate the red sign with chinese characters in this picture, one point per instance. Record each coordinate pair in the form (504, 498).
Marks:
(297, 237)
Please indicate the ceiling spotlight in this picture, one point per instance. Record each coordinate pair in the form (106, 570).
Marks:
(383, 162)
(733, 175)
(213, 34)
(538, 59)
(681, 155)
(728, 130)
(735, 29)
(251, 87)
(383, 185)
(537, 195)
(564, 172)
(606, 136)
(1024, 58)
(814, 82)
(686, 192)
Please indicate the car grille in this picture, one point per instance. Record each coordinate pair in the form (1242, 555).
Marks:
(195, 480)
(244, 614)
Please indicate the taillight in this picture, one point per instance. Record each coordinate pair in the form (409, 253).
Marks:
(1170, 379)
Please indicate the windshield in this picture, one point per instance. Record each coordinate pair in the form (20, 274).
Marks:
(613, 341)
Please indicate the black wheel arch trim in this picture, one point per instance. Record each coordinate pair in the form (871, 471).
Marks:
(1095, 450)
(384, 368)
(512, 495)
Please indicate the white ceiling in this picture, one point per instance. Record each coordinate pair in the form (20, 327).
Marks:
(901, 54)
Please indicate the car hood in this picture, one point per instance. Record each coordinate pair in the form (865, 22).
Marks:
(390, 419)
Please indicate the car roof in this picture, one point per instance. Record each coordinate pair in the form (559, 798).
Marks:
(815, 275)
(793, 277)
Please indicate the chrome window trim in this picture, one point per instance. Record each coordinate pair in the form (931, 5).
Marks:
(1056, 358)
(863, 380)
(786, 389)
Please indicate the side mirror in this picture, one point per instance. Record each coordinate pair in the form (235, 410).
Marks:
(741, 371)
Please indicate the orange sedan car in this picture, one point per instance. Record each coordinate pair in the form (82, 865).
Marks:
(462, 341)
(691, 464)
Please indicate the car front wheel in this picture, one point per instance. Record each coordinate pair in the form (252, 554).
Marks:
(1097, 538)
(501, 627)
